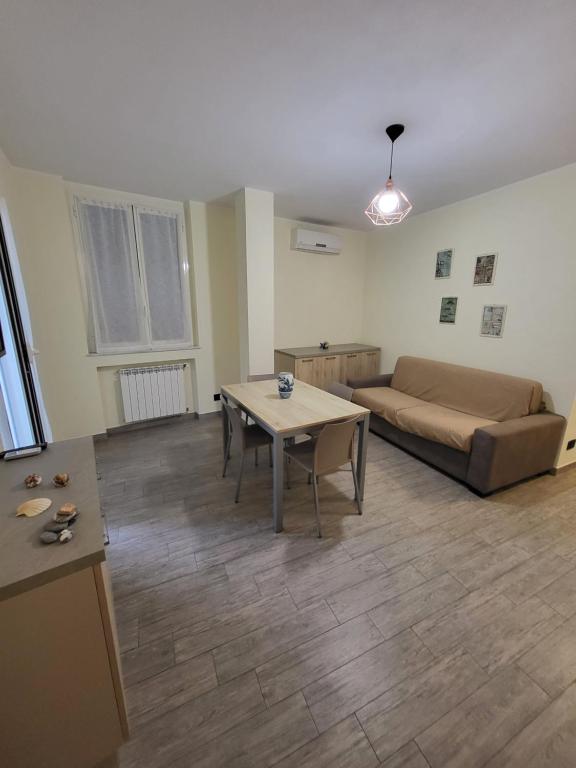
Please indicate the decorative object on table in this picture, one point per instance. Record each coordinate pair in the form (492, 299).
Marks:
(48, 537)
(66, 514)
(390, 205)
(61, 480)
(32, 481)
(33, 507)
(65, 536)
(484, 269)
(493, 316)
(444, 263)
(324, 344)
(53, 527)
(285, 384)
(448, 309)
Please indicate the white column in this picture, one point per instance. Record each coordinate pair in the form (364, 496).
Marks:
(255, 269)
(198, 257)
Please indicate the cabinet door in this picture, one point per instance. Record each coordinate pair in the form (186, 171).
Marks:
(308, 370)
(352, 365)
(330, 370)
(370, 363)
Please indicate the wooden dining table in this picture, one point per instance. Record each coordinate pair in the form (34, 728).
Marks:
(308, 408)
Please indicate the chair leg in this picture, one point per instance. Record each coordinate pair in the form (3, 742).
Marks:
(287, 471)
(270, 454)
(237, 498)
(227, 455)
(255, 457)
(356, 493)
(310, 479)
(316, 505)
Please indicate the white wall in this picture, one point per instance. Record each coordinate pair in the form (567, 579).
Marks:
(318, 297)
(532, 226)
(81, 390)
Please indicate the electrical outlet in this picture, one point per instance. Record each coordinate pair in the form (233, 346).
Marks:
(217, 397)
(571, 444)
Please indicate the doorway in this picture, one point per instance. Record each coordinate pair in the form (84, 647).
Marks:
(20, 419)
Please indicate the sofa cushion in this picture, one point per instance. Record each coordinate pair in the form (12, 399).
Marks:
(384, 401)
(488, 395)
(442, 425)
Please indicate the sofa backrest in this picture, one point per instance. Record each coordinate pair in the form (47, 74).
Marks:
(470, 390)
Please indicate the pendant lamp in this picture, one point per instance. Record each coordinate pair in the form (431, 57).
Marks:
(390, 205)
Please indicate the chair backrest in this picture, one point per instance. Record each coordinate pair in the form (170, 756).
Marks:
(235, 423)
(340, 390)
(334, 446)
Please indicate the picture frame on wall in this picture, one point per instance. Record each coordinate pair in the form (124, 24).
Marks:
(444, 263)
(448, 306)
(493, 317)
(485, 269)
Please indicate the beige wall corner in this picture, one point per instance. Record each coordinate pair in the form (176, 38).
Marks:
(203, 381)
(254, 210)
(40, 218)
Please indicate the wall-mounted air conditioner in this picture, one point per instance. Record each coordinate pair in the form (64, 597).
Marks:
(316, 242)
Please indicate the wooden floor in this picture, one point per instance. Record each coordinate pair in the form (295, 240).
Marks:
(438, 629)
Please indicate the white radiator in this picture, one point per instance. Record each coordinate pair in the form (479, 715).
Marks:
(150, 393)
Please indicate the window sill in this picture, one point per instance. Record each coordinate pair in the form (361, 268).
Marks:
(110, 359)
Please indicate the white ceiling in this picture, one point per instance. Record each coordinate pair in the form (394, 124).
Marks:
(191, 100)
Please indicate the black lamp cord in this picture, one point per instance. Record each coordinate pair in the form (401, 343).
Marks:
(391, 158)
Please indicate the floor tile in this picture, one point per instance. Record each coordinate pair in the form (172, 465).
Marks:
(411, 607)
(255, 648)
(561, 594)
(481, 725)
(400, 714)
(147, 660)
(315, 658)
(409, 756)
(350, 687)
(552, 663)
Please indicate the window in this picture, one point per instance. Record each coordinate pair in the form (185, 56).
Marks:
(136, 276)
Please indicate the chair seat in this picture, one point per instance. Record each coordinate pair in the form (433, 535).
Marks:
(302, 453)
(256, 436)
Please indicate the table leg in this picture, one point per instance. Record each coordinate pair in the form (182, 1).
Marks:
(224, 429)
(362, 452)
(278, 481)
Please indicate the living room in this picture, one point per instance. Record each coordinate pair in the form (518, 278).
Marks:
(242, 228)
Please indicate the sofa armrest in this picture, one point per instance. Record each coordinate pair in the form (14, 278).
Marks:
(513, 450)
(382, 380)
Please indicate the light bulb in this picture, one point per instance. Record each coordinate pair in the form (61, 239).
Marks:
(388, 201)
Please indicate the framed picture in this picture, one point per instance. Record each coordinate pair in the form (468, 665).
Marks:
(448, 309)
(493, 316)
(485, 269)
(444, 263)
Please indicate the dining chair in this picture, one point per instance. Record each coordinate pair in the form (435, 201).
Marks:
(247, 437)
(325, 454)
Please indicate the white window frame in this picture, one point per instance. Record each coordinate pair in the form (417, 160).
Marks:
(137, 204)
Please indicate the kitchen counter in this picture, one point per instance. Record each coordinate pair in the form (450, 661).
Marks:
(26, 563)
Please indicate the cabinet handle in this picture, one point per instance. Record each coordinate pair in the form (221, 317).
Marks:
(311, 360)
(370, 354)
(330, 358)
(350, 355)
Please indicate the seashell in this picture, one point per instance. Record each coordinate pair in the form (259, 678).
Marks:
(61, 480)
(33, 507)
(31, 481)
(65, 536)
(67, 509)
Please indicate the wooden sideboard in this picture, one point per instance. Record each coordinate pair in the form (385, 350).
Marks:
(320, 367)
(62, 701)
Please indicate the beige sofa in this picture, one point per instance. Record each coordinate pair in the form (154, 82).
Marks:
(487, 429)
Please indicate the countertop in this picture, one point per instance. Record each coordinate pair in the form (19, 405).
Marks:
(333, 349)
(26, 563)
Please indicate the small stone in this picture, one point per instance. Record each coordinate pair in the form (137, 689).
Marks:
(32, 481)
(67, 509)
(65, 536)
(55, 527)
(61, 480)
(48, 537)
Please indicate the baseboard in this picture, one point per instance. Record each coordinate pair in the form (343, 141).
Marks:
(564, 468)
